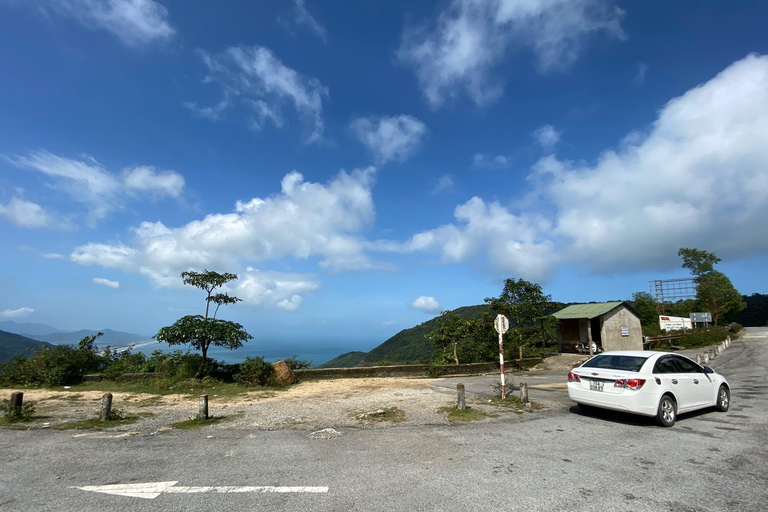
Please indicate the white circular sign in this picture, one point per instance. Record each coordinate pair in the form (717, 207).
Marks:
(501, 324)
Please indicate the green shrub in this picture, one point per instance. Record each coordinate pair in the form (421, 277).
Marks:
(703, 337)
(254, 371)
(297, 364)
(13, 414)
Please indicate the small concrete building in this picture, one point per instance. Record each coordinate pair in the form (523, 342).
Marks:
(612, 325)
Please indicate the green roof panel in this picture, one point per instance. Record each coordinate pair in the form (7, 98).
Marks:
(586, 310)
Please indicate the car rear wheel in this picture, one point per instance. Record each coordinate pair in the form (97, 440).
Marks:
(723, 399)
(667, 411)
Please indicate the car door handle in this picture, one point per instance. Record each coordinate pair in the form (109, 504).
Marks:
(674, 381)
(695, 381)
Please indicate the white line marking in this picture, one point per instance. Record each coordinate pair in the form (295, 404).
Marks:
(152, 490)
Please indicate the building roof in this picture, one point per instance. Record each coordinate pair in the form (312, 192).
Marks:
(588, 311)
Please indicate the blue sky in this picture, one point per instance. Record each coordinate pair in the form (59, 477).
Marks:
(364, 165)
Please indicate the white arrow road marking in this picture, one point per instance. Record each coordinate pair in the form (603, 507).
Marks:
(152, 490)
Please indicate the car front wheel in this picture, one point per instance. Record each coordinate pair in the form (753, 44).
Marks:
(667, 411)
(723, 399)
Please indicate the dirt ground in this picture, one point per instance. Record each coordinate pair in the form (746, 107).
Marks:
(561, 362)
(310, 405)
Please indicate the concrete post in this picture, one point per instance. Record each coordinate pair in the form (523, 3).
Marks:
(524, 392)
(202, 413)
(462, 402)
(106, 406)
(717, 350)
(698, 358)
(706, 357)
(17, 400)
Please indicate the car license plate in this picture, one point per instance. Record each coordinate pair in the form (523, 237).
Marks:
(596, 385)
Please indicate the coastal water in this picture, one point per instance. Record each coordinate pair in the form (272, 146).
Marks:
(318, 353)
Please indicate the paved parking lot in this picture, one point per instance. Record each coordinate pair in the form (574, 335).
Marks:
(557, 460)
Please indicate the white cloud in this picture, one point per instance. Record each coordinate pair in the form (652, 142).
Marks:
(211, 113)
(305, 220)
(274, 289)
(255, 77)
(489, 235)
(444, 183)
(53, 256)
(459, 50)
(106, 282)
(16, 313)
(146, 180)
(27, 214)
(426, 304)
(135, 22)
(109, 256)
(483, 161)
(303, 17)
(88, 183)
(389, 138)
(696, 179)
(546, 136)
(639, 78)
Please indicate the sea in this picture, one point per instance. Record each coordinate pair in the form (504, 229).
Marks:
(318, 353)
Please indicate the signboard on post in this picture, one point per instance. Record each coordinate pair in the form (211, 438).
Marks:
(674, 323)
(501, 324)
(701, 318)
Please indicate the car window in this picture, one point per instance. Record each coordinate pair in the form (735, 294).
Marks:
(666, 365)
(687, 366)
(609, 362)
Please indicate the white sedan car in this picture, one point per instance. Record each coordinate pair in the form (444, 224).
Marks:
(657, 384)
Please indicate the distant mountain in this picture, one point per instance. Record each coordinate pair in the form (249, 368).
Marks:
(407, 346)
(13, 344)
(28, 329)
(111, 338)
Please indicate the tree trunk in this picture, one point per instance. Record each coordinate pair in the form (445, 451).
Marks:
(455, 356)
(204, 350)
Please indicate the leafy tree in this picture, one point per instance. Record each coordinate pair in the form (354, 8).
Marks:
(200, 331)
(646, 306)
(717, 295)
(522, 302)
(697, 261)
(451, 331)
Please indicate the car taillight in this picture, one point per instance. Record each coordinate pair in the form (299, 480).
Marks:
(572, 377)
(633, 384)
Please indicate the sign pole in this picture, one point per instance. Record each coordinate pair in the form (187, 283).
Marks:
(501, 365)
(501, 324)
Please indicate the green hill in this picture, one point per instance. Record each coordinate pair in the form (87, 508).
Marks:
(14, 344)
(407, 346)
(347, 360)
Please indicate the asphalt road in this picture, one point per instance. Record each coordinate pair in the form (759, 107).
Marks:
(555, 460)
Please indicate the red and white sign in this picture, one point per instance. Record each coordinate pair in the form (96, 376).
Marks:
(674, 323)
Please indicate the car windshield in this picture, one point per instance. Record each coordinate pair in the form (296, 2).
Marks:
(610, 362)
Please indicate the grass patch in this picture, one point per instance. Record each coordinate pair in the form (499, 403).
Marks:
(94, 424)
(190, 387)
(380, 415)
(195, 423)
(511, 402)
(455, 414)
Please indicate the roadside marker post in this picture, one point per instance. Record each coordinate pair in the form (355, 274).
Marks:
(501, 324)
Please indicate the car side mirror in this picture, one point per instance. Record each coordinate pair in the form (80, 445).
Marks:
(708, 369)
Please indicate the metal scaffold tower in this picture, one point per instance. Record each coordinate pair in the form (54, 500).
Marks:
(672, 290)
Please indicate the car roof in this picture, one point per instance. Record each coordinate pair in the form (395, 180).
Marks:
(640, 353)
